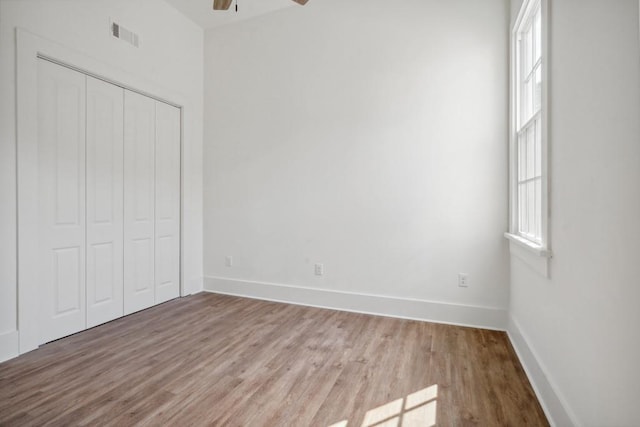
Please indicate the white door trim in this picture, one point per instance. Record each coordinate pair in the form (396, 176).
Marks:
(29, 48)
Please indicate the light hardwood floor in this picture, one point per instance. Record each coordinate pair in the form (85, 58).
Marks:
(219, 360)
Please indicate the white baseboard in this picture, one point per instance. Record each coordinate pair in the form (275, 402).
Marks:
(555, 408)
(405, 308)
(9, 345)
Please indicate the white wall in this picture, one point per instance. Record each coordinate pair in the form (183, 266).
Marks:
(171, 56)
(365, 136)
(583, 323)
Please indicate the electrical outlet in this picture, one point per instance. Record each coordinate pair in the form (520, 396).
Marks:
(228, 261)
(319, 269)
(463, 280)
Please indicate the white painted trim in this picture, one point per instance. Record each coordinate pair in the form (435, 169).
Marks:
(29, 47)
(535, 262)
(404, 308)
(553, 404)
(528, 245)
(9, 345)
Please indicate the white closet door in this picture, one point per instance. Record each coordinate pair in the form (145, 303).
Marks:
(61, 198)
(105, 136)
(139, 201)
(167, 262)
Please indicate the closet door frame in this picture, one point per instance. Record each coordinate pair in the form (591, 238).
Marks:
(31, 48)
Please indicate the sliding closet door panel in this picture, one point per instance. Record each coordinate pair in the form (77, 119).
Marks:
(105, 137)
(61, 199)
(139, 201)
(167, 271)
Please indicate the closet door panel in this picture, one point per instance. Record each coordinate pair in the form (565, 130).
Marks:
(139, 202)
(167, 243)
(61, 200)
(105, 137)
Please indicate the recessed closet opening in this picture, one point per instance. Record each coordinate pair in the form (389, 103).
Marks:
(100, 200)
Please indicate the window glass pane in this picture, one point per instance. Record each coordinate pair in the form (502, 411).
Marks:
(537, 90)
(522, 208)
(527, 52)
(538, 160)
(527, 101)
(522, 156)
(538, 35)
(538, 230)
(531, 206)
(531, 152)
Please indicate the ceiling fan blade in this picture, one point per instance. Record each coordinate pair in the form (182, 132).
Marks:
(221, 4)
(301, 2)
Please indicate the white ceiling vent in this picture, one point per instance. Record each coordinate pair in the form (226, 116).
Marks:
(122, 33)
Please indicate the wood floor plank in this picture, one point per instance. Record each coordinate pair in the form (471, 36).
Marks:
(220, 360)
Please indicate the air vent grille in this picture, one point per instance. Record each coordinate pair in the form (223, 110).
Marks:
(122, 33)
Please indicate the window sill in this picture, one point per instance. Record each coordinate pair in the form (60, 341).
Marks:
(534, 256)
(530, 246)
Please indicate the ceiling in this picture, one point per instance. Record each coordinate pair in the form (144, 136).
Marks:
(202, 13)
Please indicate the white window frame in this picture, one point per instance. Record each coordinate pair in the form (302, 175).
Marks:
(542, 247)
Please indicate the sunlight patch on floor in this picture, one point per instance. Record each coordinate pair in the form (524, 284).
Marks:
(415, 410)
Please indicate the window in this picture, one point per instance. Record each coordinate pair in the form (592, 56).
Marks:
(528, 146)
